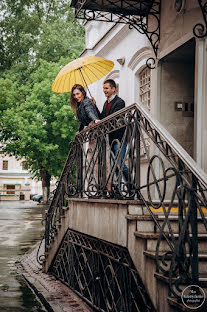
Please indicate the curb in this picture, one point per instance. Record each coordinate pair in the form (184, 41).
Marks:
(53, 294)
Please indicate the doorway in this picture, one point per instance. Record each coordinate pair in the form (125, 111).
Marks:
(177, 94)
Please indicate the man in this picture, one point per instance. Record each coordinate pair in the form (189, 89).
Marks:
(112, 105)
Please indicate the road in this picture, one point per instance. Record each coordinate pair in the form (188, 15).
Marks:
(21, 228)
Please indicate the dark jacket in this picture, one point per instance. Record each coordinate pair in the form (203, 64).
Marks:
(86, 113)
(116, 105)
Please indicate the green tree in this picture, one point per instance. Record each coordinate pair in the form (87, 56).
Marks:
(37, 29)
(40, 128)
(38, 37)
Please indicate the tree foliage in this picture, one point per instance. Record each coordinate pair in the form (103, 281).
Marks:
(38, 29)
(38, 38)
(40, 127)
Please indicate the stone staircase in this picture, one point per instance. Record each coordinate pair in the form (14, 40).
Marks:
(140, 234)
(143, 252)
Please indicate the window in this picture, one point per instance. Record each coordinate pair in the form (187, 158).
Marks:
(144, 87)
(5, 165)
(11, 189)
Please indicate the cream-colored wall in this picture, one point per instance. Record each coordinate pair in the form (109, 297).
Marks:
(174, 26)
(13, 163)
(177, 85)
(200, 128)
(176, 29)
(204, 109)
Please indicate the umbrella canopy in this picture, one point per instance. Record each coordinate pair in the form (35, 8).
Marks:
(84, 71)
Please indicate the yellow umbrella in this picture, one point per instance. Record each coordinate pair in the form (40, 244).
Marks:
(84, 70)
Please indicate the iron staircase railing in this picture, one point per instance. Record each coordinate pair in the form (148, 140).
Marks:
(159, 171)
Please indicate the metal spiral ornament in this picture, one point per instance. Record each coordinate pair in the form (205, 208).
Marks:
(150, 63)
(200, 30)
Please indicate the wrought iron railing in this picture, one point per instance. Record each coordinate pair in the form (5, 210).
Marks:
(149, 165)
(101, 273)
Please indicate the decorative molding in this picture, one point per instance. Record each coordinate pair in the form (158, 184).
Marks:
(121, 60)
(179, 5)
(143, 53)
(113, 75)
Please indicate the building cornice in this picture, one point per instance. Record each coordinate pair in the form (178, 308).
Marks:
(10, 173)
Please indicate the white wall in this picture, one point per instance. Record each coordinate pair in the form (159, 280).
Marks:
(114, 42)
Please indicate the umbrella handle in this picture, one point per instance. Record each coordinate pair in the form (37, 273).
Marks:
(85, 82)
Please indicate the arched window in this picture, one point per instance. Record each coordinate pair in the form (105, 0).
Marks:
(144, 86)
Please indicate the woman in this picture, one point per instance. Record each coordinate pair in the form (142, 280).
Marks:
(83, 107)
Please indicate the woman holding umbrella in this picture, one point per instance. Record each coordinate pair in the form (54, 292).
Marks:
(83, 107)
(76, 75)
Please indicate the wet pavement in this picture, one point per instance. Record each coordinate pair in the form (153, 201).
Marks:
(21, 228)
(55, 296)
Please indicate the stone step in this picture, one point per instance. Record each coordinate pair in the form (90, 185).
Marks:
(179, 306)
(202, 280)
(141, 209)
(151, 239)
(202, 259)
(148, 225)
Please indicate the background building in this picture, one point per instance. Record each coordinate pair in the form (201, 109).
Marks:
(17, 183)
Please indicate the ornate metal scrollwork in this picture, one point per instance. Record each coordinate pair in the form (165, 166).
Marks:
(150, 63)
(103, 274)
(142, 23)
(200, 30)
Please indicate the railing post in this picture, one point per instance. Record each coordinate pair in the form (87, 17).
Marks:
(138, 154)
(47, 230)
(102, 164)
(194, 227)
(80, 186)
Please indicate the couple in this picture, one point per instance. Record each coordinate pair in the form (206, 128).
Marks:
(88, 114)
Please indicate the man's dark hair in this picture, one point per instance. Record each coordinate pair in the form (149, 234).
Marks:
(111, 82)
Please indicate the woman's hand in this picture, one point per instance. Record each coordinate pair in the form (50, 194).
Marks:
(93, 122)
(93, 100)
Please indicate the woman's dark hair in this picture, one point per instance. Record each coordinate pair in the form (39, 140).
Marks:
(73, 102)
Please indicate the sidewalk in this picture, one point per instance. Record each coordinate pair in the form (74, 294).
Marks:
(54, 295)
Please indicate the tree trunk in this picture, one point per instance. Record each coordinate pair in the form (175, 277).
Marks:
(45, 177)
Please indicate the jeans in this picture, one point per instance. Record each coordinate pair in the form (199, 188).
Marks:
(115, 150)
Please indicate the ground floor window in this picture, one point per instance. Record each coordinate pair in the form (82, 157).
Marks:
(10, 189)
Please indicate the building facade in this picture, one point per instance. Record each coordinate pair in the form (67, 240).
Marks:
(175, 89)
